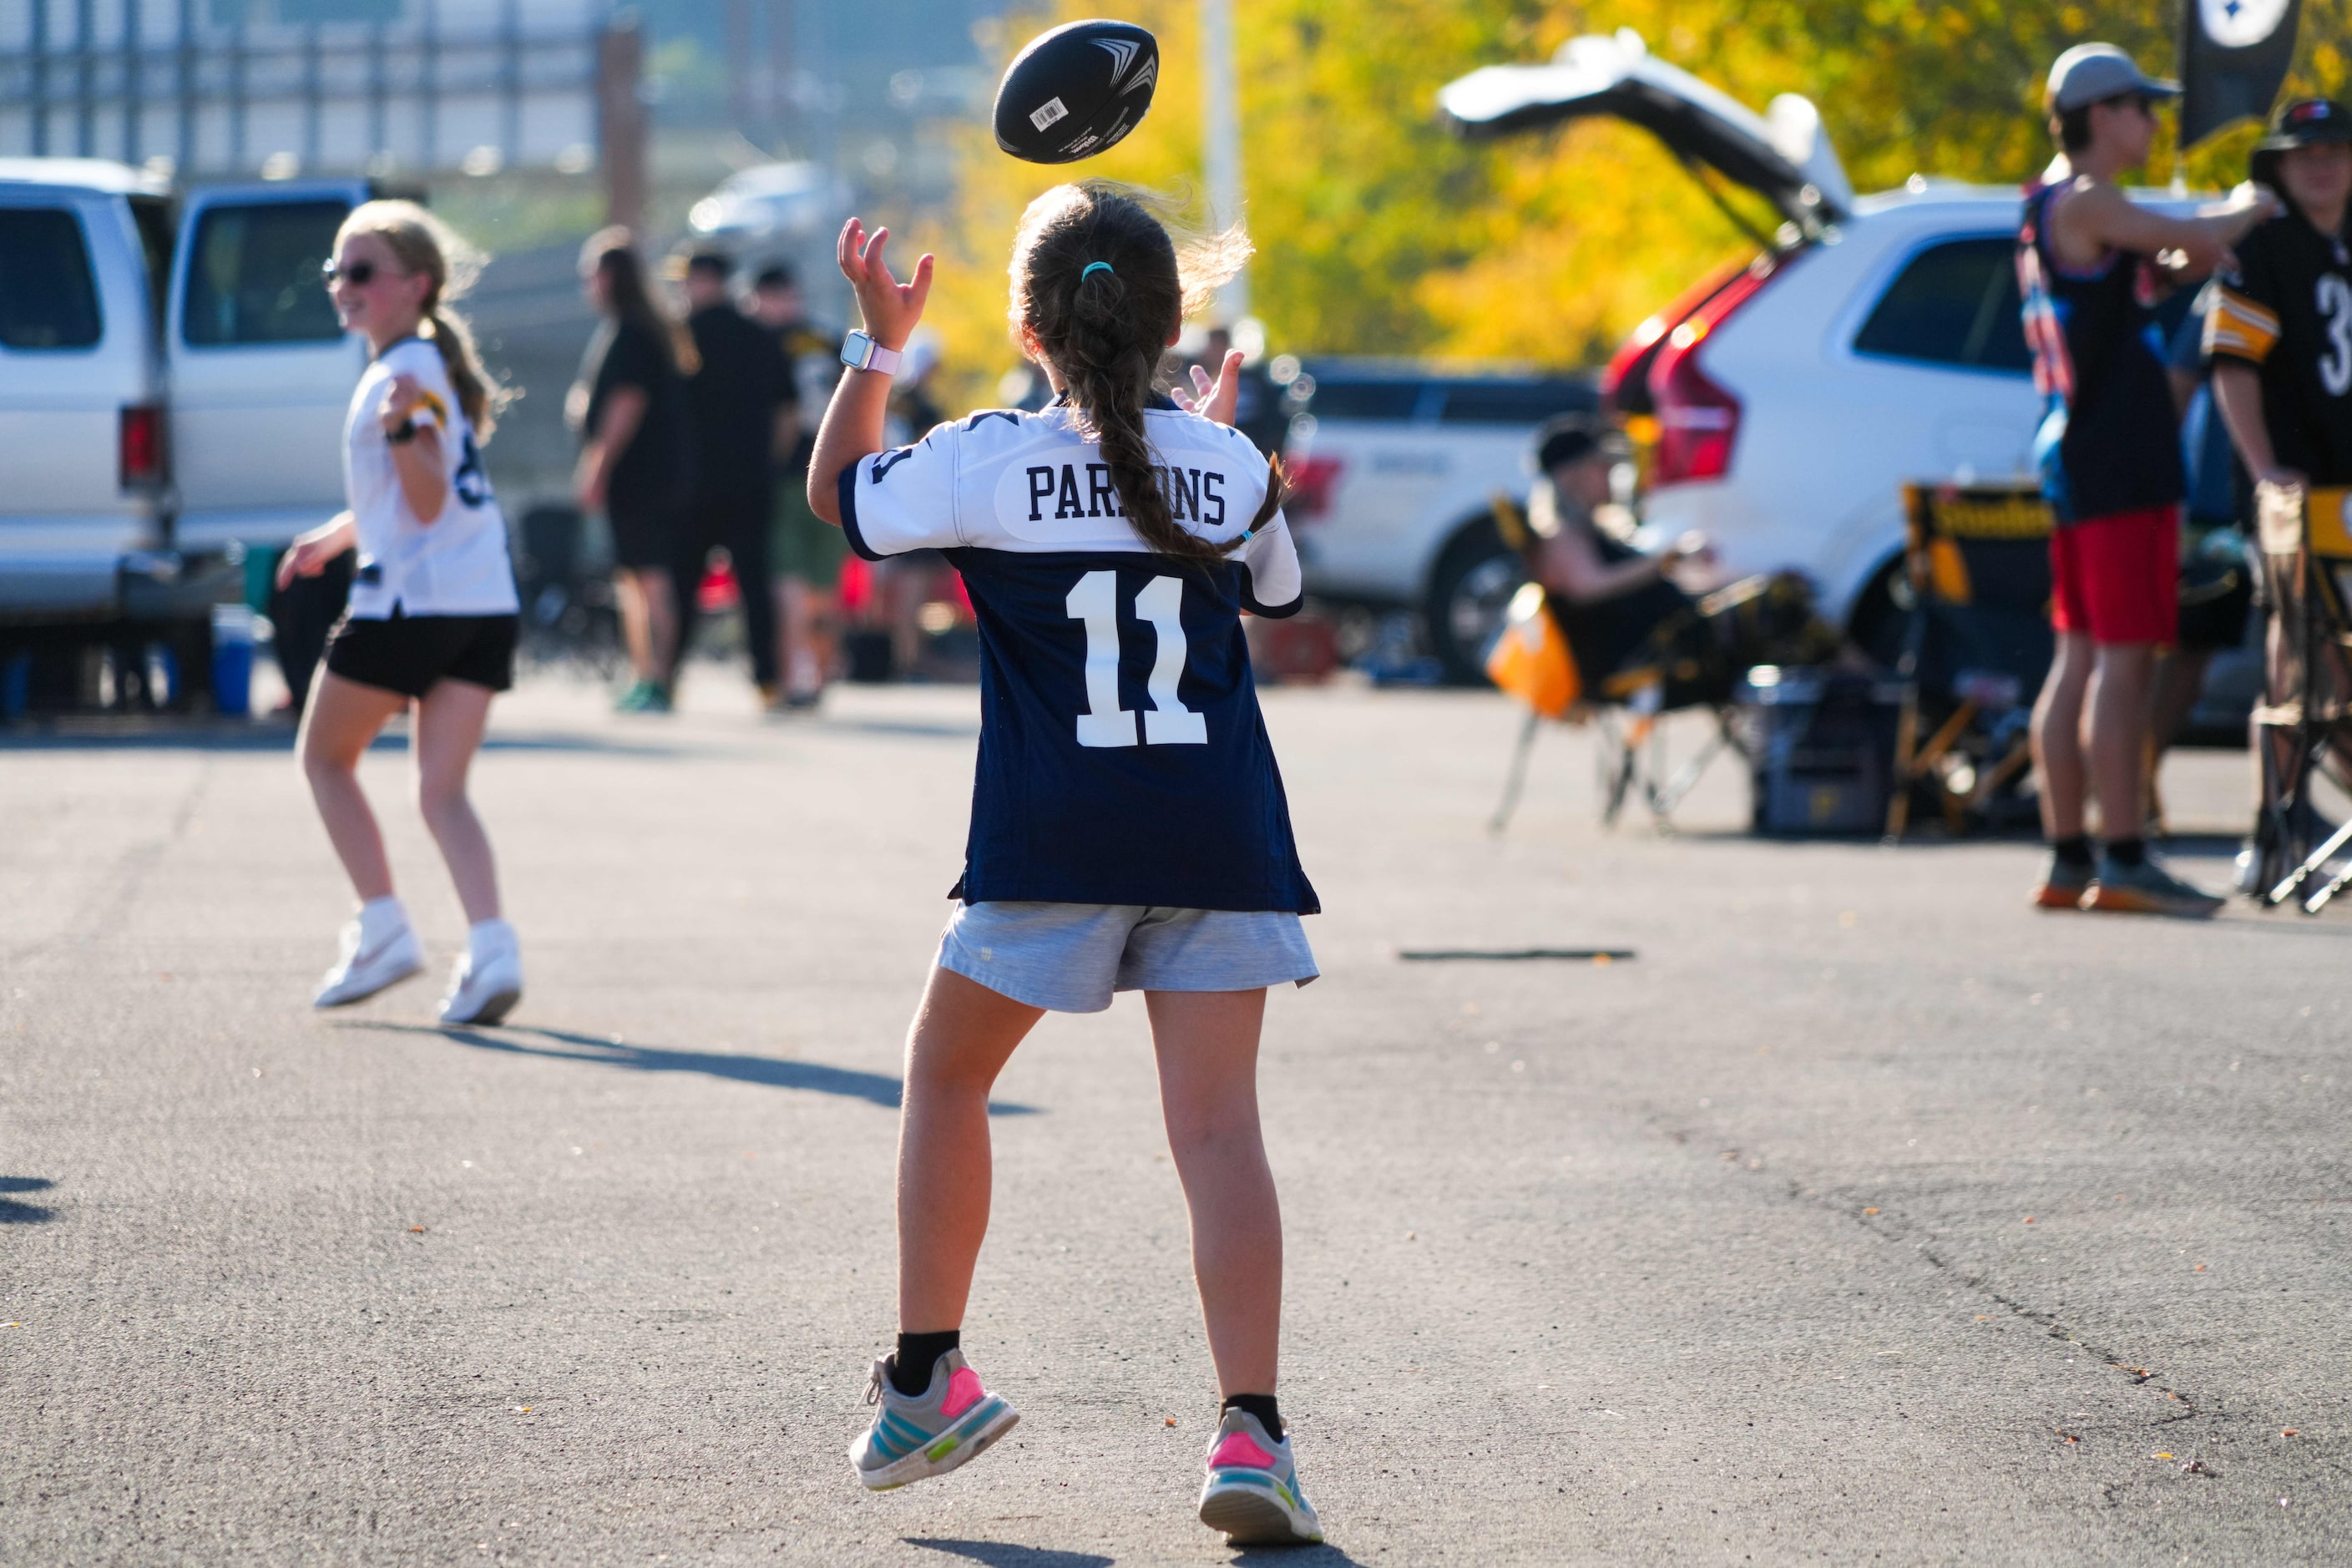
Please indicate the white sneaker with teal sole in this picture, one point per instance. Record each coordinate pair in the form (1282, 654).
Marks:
(1251, 1493)
(917, 1437)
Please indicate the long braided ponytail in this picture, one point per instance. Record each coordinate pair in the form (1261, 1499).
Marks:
(1106, 328)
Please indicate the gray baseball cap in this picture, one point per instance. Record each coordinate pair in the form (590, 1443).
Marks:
(2091, 73)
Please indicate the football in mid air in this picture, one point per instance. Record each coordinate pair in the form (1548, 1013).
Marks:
(1075, 91)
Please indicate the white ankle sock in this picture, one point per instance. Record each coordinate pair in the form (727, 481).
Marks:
(381, 917)
(490, 938)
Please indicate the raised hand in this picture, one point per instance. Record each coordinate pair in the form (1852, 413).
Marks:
(1215, 400)
(400, 401)
(891, 309)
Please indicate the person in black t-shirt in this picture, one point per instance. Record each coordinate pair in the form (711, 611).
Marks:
(636, 463)
(738, 396)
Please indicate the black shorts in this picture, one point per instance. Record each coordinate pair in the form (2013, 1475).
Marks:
(408, 654)
(645, 532)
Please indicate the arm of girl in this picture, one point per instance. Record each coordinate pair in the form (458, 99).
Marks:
(415, 457)
(308, 554)
(1216, 401)
(852, 420)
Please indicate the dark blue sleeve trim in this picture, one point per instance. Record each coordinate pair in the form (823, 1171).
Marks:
(1270, 612)
(848, 494)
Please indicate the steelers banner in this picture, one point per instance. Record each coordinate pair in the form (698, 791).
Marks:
(2233, 57)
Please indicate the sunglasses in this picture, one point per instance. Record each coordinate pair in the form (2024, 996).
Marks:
(359, 274)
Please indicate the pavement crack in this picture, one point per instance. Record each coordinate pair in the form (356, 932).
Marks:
(1885, 1227)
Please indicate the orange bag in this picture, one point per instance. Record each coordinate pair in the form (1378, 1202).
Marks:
(1531, 660)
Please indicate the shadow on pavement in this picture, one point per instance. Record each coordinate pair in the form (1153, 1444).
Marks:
(874, 1088)
(14, 1212)
(199, 735)
(1006, 1554)
(1324, 1556)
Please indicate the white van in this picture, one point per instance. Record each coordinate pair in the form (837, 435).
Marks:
(173, 384)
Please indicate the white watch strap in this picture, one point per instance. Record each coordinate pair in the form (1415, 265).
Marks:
(860, 351)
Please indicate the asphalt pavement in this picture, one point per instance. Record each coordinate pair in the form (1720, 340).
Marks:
(1861, 1216)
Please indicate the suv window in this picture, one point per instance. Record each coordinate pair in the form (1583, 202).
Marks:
(47, 297)
(1955, 303)
(1514, 402)
(254, 275)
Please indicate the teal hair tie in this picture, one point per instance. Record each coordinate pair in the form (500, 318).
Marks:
(1095, 267)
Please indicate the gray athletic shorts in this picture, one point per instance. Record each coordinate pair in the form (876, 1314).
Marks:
(1069, 958)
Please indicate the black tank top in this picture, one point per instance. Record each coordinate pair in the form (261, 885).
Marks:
(1607, 632)
(2109, 440)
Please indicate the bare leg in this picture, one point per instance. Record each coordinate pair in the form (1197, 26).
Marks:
(2180, 681)
(804, 619)
(2058, 737)
(344, 717)
(648, 620)
(962, 1035)
(1207, 1046)
(2118, 703)
(449, 722)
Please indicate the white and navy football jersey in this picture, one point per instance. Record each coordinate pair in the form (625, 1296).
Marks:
(1122, 756)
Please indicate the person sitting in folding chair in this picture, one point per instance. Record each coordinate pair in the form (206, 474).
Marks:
(1630, 624)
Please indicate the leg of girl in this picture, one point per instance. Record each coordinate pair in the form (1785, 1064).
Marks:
(1206, 1042)
(378, 947)
(934, 1413)
(488, 980)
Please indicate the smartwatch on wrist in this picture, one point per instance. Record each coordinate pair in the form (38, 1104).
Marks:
(859, 352)
(402, 434)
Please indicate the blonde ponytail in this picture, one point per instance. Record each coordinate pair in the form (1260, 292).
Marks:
(422, 244)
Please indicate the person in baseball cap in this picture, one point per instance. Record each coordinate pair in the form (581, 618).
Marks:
(2108, 447)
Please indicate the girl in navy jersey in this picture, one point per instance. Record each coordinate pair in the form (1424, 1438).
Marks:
(433, 612)
(1129, 829)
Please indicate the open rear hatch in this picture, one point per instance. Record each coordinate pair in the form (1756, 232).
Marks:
(1782, 155)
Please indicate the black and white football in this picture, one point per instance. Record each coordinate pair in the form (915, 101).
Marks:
(1075, 91)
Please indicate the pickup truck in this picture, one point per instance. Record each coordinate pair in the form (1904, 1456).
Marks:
(1397, 467)
(172, 387)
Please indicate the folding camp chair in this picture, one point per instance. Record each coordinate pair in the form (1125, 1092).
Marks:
(2307, 543)
(1977, 647)
(1534, 660)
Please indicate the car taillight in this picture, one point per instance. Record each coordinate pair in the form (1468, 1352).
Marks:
(1311, 481)
(1625, 384)
(1698, 421)
(139, 450)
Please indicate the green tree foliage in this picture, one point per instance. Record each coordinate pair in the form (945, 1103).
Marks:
(1380, 232)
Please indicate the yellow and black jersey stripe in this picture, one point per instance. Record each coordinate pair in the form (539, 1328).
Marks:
(2238, 328)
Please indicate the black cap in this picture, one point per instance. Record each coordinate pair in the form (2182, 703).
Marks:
(2307, 122)
(717, 262)
(775, 275)
(1572, 438)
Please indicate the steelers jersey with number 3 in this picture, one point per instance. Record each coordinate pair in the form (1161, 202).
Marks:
(456, 565)
(2286, 310)
(1123, 759)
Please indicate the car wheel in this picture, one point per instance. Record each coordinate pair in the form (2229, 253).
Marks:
(1469, 592)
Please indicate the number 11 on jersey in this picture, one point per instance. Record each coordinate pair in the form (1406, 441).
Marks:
(1167, 722)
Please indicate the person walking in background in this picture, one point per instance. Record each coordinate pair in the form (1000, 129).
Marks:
(2110, 454)
(805, 553)
(433, 612)
(1122, 838)
(742, 412)
(905, 584)
(636, 466)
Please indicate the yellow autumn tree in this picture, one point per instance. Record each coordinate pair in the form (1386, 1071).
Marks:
(1377, 232)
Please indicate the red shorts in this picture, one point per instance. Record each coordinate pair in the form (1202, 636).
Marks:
(2117, 578)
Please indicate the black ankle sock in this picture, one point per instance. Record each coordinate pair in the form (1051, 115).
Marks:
(2074, 850)
(910, 1367)
(1262, 1406)
(2126, 852)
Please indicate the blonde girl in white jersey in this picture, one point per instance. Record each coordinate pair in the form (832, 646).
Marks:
(433, 612)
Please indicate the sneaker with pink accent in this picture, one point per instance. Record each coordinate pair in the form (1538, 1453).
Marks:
(1252, 1492)
(917, 1437)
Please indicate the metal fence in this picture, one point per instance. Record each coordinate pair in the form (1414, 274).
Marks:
(471, 85)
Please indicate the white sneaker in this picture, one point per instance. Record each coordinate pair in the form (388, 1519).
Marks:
(488, 980)
(1251, 1493)
(372, 960)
